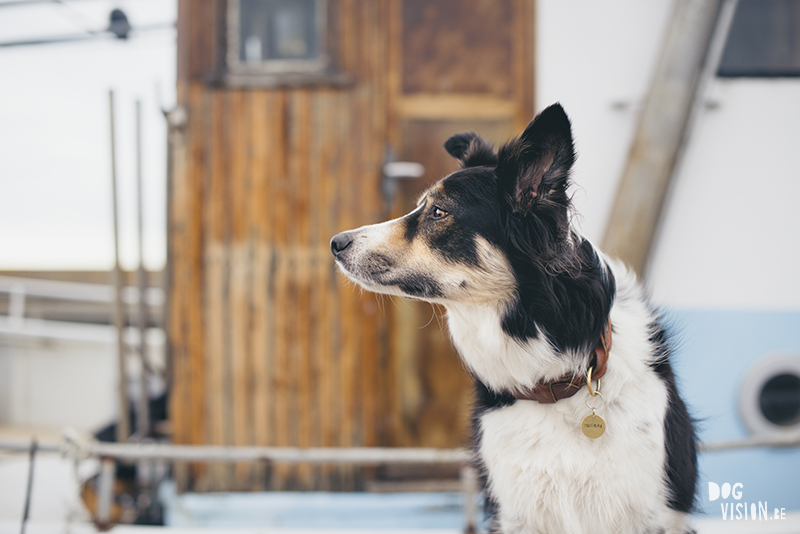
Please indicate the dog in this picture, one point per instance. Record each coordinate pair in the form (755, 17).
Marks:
(578, 424)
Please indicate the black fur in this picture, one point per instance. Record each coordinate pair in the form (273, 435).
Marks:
(533, 169)
(681, 441)
(572, 307)
(412, 225)
(471, 150)
(464, 195)
(418, 286)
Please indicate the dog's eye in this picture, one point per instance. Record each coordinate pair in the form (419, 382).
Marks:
(438, 213)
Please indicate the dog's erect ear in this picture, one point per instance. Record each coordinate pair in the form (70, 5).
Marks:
(534, 168)
(471, 150)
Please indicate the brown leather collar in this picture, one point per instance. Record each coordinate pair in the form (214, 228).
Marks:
(569, 385)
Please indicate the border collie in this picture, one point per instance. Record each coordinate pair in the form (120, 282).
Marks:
(538, 315)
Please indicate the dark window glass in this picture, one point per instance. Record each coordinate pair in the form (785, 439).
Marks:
(764, 40)
(279, 30)
(780, 400)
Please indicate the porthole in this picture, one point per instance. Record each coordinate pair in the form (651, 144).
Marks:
(769, 396)
(779, 399)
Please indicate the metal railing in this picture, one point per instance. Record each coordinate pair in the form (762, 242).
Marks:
(789, 439)
(213, 453)
(110, 453)
(17, 325)
(19, 289)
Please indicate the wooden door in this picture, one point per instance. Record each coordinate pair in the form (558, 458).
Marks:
(456, 66)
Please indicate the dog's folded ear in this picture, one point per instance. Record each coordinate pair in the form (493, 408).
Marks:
(471, 150)
(534, 168)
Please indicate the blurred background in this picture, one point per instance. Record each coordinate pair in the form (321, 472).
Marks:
(247, 132)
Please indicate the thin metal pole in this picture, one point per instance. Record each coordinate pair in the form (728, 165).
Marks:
(123, 425)
(470, 490)
(105, 492)
(176, 123)
(29, 489)
(142, 407)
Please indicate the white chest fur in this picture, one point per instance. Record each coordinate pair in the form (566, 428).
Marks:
(548, 477)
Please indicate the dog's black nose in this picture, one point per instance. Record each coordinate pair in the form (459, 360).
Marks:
(340, 242)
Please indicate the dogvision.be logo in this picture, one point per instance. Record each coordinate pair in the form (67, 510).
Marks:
(736, 509)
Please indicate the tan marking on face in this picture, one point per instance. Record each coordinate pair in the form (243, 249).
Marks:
(491, 282)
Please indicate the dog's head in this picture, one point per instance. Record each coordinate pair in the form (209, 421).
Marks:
(476, 232)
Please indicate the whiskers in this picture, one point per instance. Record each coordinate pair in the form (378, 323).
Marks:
(437, 312)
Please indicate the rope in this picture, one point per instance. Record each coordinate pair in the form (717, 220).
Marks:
(29, 489)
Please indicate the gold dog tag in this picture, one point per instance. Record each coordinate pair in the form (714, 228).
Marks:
(593, 426)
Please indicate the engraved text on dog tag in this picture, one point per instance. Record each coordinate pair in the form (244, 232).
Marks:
(593, 426)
